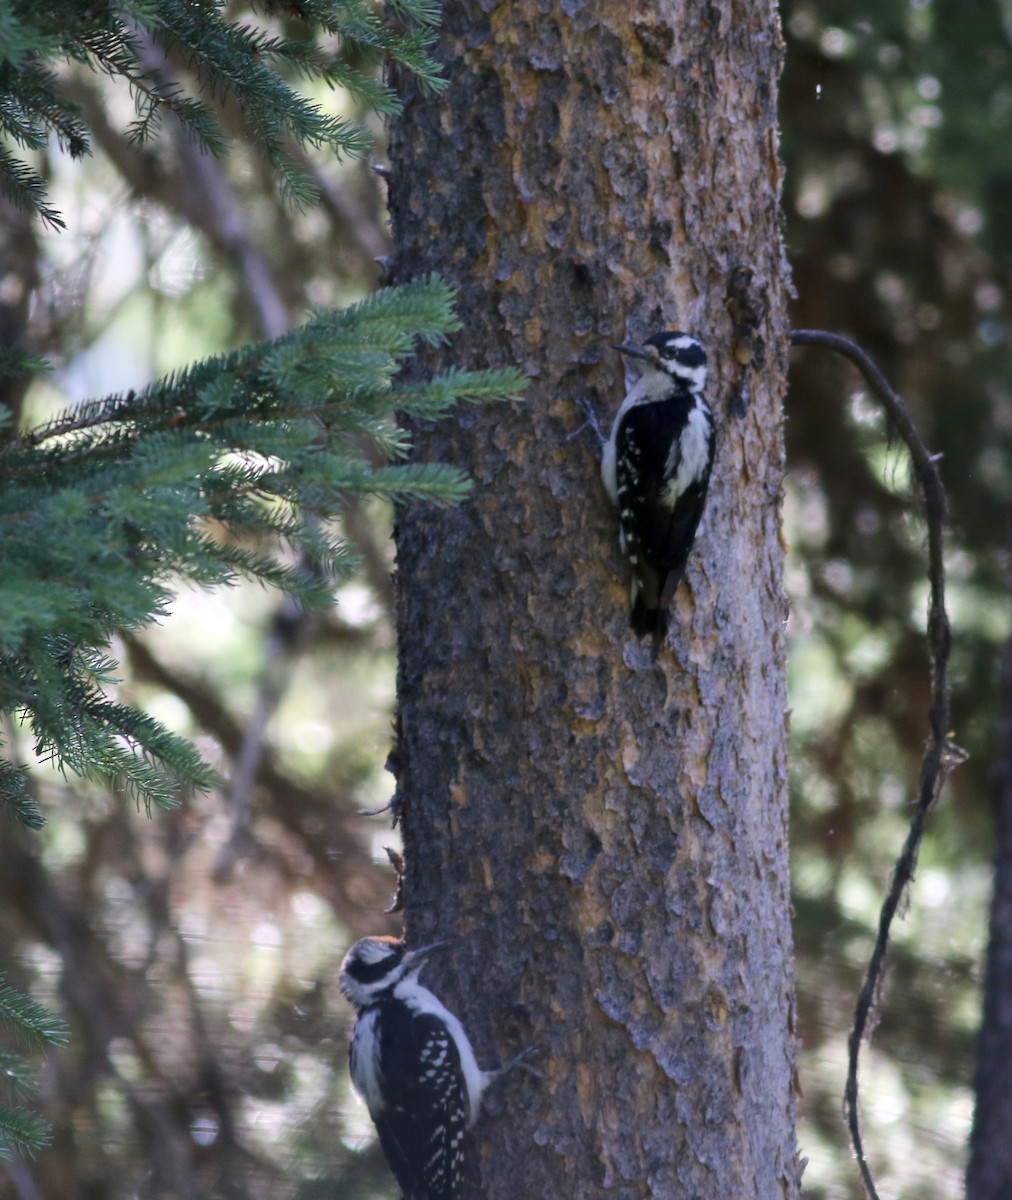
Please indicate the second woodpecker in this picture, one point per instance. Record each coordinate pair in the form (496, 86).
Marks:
(413, 1065)
(656, 468)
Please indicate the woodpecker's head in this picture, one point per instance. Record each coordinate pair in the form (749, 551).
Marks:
(374, 965)
(674, 354)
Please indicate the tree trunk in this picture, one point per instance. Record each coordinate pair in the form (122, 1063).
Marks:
(602, 834)
(989, 1173)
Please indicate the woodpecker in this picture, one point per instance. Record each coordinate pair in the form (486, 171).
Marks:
(413, 1065)
(656, 468)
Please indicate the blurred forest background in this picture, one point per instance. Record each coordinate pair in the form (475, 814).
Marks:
(195, 953)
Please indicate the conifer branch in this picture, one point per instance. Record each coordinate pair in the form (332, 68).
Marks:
(235, 63)
(235, 466)
(239, 465)
(29, 1019)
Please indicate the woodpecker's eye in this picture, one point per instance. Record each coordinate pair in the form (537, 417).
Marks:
(680, 348)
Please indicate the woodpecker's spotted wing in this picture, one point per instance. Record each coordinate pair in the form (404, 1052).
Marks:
(422, 1129)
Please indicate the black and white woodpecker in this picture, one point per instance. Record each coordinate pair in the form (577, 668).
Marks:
(656, 468)
(413, 1065)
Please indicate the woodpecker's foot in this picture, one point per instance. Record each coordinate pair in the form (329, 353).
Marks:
(520, 1061)
(591, 420)
(375, 812)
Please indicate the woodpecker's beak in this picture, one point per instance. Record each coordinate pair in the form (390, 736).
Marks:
(636, 352)
(414, 957)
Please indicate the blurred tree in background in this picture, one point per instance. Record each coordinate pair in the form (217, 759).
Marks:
(896, 122)
(195, 955)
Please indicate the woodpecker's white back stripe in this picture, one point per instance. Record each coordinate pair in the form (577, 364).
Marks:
(694, 447)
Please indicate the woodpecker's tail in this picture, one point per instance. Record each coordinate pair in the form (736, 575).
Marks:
(647, 621)
(648, 615)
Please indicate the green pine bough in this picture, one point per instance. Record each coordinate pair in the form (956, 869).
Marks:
(237, 466)
(107, 507)
(225, 60)
(21, 1131)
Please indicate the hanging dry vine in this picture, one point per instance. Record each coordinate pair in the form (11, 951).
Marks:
(940, 754)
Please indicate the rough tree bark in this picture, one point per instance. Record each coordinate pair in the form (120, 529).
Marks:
(602, 835)
(989, 1173)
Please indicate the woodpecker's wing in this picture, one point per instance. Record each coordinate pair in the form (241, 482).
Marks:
(683, 521)
(640, 455)
(657, 528)
(421, 1128)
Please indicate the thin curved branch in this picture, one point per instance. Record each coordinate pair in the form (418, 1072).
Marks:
(940, 755)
